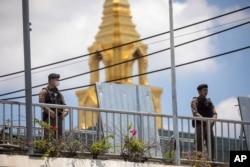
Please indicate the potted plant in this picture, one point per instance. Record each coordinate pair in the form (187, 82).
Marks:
(49, 147)
(100, 147)
(133, 149)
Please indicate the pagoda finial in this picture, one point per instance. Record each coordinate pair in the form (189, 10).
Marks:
(117, 26)
(116, 29)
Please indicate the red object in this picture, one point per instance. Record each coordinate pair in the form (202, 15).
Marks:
(54, 128)
(133, 132)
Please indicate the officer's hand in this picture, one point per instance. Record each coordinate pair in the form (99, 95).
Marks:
(211, 124)
(52, 114)
(64, 114)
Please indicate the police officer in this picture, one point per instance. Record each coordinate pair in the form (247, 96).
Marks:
(52, 95)
(203, 107)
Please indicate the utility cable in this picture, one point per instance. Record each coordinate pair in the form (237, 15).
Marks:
(45, 70)
(148, 44)
(153, 36)
(135, 58)
(159, 70)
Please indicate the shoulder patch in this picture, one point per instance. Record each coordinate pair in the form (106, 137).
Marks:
(209, 100)
(45, 89)
(195, 99)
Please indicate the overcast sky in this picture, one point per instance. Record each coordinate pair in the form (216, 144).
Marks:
(63, 29)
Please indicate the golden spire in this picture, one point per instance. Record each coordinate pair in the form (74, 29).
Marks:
(117, 26)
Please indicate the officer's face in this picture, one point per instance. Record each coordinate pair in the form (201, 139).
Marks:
(203, 92)
(54, 81)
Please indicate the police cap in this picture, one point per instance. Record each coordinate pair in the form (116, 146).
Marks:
(53, 75)
(201, 86)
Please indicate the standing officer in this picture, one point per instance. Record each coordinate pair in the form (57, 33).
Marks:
(52, 95)
(203, 107)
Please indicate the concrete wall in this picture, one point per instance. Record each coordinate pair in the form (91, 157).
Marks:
(26, 161)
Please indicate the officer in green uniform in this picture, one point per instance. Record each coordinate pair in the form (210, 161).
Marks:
(52, 95)
(203, 107)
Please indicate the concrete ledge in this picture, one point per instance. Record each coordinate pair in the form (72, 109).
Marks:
(27, 161)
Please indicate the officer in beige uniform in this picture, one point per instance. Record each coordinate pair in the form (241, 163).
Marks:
(203, 107)
(52, 95)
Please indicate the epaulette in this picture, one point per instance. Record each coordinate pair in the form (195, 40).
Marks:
(45, 88)
(195, 98)
(209, 100)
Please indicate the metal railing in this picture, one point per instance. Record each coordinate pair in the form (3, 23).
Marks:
(228, 134)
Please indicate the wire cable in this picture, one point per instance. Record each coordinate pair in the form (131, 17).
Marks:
(155, 71)
(134, 58)
(45, 70)
(148, 44)
(153, 36)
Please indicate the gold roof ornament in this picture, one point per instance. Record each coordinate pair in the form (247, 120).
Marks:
(116, 29)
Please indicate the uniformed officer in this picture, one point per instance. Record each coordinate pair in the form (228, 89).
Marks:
(52, 95)
(203, 107)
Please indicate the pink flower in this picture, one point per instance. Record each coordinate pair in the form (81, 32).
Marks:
(133, 132)
(54, 128)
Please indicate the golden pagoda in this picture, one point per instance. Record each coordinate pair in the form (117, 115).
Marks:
(116, 29)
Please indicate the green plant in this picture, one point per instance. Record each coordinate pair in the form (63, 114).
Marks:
(100, 147)
(68, 146)
(133, 149)
(50, 147)
(170, 154)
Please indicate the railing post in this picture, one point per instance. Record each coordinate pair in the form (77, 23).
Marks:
(209, 148)
(57, 124)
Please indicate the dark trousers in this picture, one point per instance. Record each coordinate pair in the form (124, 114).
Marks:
(57, 127)
(201, 135)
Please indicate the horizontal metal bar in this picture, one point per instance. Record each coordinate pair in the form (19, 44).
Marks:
(123, 112)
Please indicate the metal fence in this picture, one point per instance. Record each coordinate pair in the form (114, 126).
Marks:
(228, 133)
